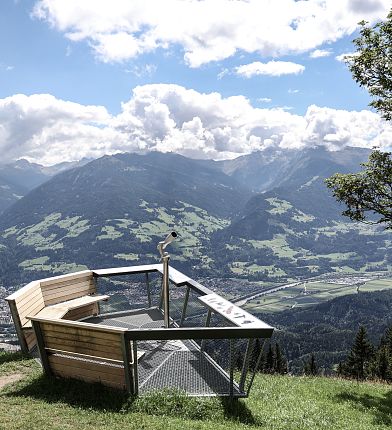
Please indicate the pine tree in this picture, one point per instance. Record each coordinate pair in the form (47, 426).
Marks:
(361, 353)
(310, 367)
(383, 364)
(269, 364)
(280, 363)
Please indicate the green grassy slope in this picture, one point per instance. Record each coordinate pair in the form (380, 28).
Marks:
(276, 402)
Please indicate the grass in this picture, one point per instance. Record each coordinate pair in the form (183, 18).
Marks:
(276, 402)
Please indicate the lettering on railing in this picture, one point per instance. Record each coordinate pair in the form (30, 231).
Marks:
(231, 312)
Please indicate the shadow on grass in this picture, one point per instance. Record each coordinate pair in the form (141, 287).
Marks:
(379, 406)
(8, 357)
(237, 410)
(75, 393)
(171, 403)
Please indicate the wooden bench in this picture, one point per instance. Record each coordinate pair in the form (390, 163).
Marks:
(67, 296)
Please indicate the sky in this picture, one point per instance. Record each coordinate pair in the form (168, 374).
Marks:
(210, 79)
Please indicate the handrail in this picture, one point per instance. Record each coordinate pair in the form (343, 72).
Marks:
(175, 333)
(175, 276)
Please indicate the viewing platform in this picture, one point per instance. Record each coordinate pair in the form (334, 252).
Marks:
(114, 326)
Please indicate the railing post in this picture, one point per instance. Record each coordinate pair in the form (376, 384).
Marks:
(41, 347)
(257, 364)
(231, 363)
(207, 324)
(148, 290)
(166, 308)
(185, 306)
(125, 345)
(245, 366)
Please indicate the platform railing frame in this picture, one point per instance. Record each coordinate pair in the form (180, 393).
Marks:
(177, 331)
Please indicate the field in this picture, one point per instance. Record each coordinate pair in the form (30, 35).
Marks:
(311, 293)
(34, 402)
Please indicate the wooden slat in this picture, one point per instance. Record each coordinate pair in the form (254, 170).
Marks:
(79, 313)
(60, 330)
(31, 312)
(30, 338)
(29, 295)
(83, 301)
(82, 325)
(17, 294)
(66, 283)
(88, 349)
(102, 367)
(64, 278)
(66, 297)
(87, 339)
(80, 286)
(52, 312)
(84, 356)
(95, 345)
(35, 301)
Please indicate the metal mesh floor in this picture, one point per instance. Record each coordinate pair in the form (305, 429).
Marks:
(171, 364)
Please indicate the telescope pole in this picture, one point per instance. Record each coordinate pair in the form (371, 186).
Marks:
(165, 261)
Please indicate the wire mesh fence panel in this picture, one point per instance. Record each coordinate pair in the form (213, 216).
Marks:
(196, 312)
(181, 365)
(127, 292)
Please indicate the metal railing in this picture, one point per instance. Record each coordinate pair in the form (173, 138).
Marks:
(210, 336)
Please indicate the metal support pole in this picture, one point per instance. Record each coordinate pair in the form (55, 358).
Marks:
(207, 324)
(135, 369)
(166, 317)
(231, 369)
(185, 306)
(161, 296)
(245, 366)
(148, 290)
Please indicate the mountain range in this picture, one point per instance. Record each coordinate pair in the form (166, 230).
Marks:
(265, 216)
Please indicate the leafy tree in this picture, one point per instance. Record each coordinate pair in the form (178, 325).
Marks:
(370, 191)
(371, 65)
(367, 192)
(360, 356)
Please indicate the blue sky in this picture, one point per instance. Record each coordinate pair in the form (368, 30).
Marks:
(109, 58)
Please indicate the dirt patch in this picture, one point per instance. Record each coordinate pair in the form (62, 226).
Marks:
(7, 379)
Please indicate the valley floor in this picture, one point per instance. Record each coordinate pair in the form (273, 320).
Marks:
(33, 401)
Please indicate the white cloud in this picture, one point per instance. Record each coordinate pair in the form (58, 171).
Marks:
(165, 118)
(264, 99)
(319, 53)
(292, 91)
(272, 68)
(206, 30)
(342, 57)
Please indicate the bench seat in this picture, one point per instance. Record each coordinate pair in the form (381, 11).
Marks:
(59, 310)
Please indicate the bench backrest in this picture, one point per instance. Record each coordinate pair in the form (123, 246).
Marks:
(91, 354)
(27, 301)
(67, 287)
